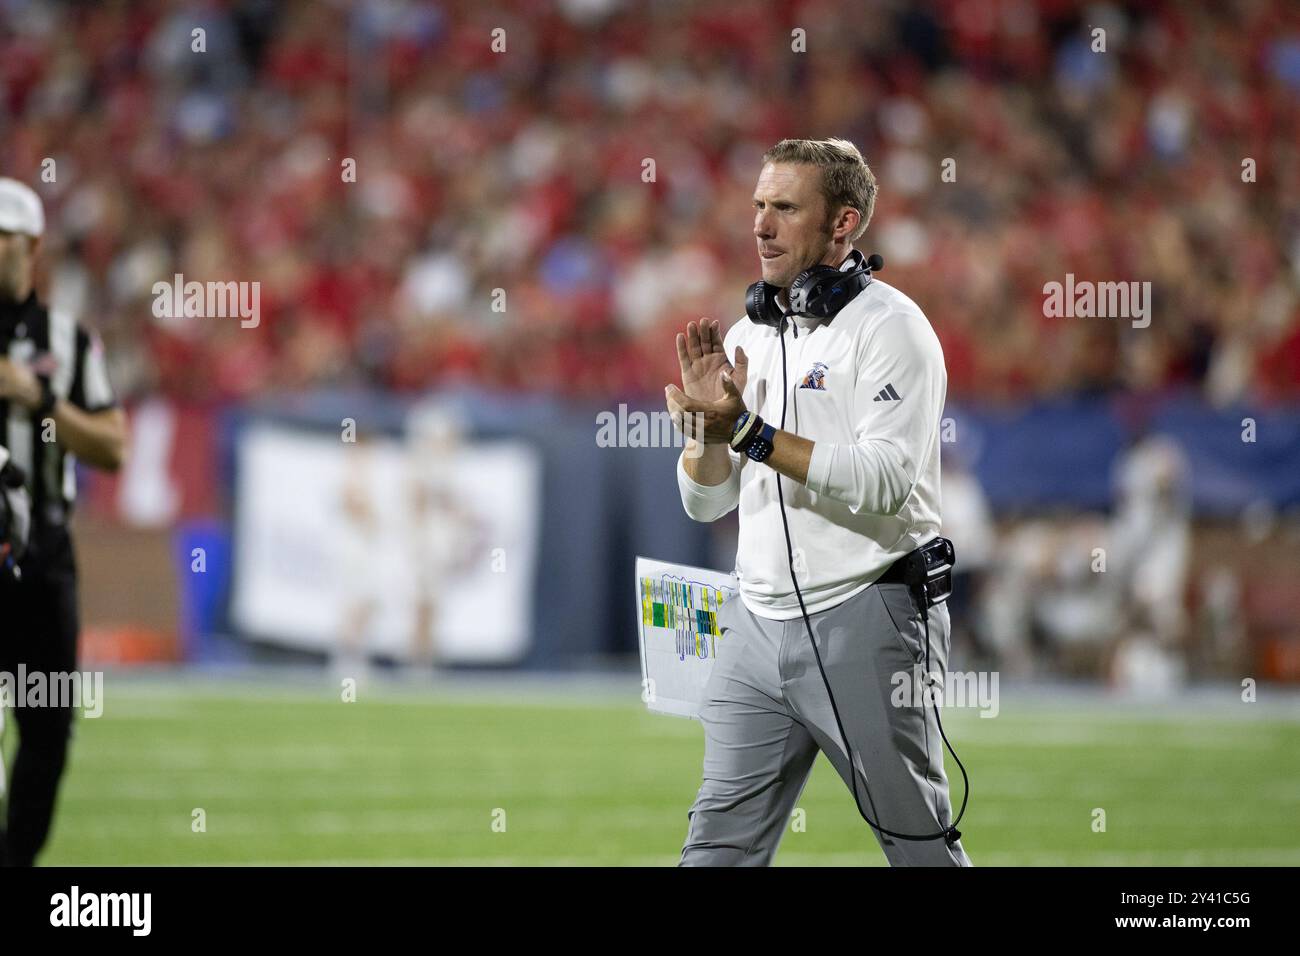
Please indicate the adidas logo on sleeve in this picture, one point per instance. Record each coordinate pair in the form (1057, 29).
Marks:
(887, 394)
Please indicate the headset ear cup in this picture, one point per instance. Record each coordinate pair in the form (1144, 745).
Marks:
(806, 290)
(820, 292)
(754, 301)
(760, 304)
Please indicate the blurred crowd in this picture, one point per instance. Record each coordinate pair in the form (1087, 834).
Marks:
(501, 231)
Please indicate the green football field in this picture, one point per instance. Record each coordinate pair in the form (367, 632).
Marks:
(494, 774)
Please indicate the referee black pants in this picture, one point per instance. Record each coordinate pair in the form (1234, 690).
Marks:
(38, 628)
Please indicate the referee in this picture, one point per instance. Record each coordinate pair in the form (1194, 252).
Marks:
(828, 427)
(55, 403)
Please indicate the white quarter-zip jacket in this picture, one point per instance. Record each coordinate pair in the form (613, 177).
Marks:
(868, 388)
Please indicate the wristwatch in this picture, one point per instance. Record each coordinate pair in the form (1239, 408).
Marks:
(740, 430)
(753, 437)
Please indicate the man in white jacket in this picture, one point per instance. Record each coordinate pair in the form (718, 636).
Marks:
(829, 426)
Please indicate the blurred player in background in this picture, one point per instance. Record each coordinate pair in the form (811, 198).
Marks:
(55, 403)
(361, 590)
(446, 537)
(441, 533)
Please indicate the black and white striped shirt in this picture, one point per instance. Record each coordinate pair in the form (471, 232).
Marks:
(57, 348)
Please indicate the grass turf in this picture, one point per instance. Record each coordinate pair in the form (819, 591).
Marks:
(292, 775)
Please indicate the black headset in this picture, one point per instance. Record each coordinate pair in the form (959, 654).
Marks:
(819, 292)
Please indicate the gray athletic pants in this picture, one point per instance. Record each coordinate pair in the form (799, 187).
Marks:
(766, 714)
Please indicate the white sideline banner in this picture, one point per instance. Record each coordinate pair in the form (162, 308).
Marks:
(374, 548)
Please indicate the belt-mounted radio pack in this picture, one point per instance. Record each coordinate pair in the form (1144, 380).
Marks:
(928, 572)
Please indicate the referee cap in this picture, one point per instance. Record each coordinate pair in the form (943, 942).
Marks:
(20, 208)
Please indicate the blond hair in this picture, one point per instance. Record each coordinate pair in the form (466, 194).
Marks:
(847, 180)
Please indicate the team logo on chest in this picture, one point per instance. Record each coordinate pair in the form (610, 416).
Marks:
(816, 377)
